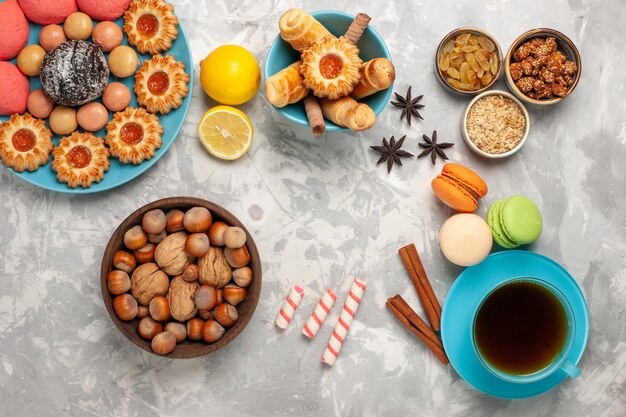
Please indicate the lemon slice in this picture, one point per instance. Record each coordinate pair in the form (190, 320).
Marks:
(226, 132)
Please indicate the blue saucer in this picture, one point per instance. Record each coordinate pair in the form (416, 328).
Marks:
(464, 296)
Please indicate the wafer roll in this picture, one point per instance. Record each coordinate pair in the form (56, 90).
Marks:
(289, 307)
(346, 112)
(318, 316)
(286, 86)
(376, 75)
(300, 29)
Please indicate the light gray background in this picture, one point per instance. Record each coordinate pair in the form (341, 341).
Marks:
(321, 213)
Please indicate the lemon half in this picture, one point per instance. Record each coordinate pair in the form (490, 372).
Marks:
(226, 132)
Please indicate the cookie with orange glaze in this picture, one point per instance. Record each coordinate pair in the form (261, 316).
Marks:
(13, 30)
(46, 12)
(103, 10)
(14, 89)
(459, 187)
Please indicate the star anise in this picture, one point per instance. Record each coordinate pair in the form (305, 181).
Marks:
(391, 152)
(433, 148)
(408, 105)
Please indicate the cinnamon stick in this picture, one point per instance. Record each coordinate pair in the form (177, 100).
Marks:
(357, 27)
(314, 114)
(430, 309)
(421, 273)
(414, 319)
(434, 348)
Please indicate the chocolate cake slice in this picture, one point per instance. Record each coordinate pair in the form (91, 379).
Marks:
(74, 73)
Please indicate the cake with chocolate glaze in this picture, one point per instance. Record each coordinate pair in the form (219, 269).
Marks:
(74, 73)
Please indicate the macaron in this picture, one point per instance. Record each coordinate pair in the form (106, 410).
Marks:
(14, 89)
(14, 30)
(45, 12)
(465, 239)
(515, 221)
(459, 187)
(103, 10)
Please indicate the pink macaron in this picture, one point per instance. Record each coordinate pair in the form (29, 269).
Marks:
(103, 10)
(46, 12)
(14, 89)
(13, 30)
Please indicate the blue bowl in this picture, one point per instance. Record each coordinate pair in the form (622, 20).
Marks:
(371, 46)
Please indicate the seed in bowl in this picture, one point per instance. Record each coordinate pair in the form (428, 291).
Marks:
(468, 62)
(495, 124)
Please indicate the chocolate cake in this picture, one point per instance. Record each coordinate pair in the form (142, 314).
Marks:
(74, 73)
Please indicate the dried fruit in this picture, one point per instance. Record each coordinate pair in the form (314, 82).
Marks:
(465, 60)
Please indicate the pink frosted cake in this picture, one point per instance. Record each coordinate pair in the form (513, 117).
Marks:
(46, 12)
(13, 30)
(14, 89)
(103, 10)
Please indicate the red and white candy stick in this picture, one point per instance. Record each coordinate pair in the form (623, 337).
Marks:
(319, 314)
(289, 308)
(348, 311)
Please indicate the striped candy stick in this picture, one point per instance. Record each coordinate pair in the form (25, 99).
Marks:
(318, 316)
(348, 311)
(289, 307)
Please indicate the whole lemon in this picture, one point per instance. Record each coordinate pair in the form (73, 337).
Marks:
(230, 75)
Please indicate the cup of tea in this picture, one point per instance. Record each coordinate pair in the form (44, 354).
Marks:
(523, 331)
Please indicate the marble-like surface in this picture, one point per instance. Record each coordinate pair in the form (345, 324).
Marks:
(321, 213)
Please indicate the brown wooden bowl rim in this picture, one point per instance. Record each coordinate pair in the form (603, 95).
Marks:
(218, 211)
(535, 33)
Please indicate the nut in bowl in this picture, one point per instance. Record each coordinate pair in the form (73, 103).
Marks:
(181, 277)
(468, 61)
(495, 124)
(543, 66)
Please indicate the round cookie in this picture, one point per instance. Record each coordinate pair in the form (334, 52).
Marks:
(13, 30)
(14, 89)
(103, 10)
(521, 219)
(495, 224)
(465, 239)
(46, 12)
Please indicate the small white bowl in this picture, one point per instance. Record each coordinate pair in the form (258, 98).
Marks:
(471, 144)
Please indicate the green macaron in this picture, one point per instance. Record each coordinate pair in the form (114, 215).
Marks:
(520, 220)
(493, 220)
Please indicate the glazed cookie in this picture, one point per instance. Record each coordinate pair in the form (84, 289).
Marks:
(14, 89)
(80, 160)
(25, 143)
(103, 10)
(161, 84)
(45, 12)
(133, 135)
(13, 30)
(151, 25)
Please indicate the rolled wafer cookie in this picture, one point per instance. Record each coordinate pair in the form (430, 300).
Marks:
(300, 29)
(289, 307)
(348, 311)
(318, 316)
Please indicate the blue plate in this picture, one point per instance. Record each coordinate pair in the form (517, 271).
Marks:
(371, 45)
(119, 174)
(464, 297)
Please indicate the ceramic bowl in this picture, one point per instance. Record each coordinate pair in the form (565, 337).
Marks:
(371, 45)
(454, 34)
(565, 45)
(471, 144)
(188, 348)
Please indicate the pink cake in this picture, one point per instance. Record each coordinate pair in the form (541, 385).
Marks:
(103, 10)
(13, 30)
(46, 12)
(14, 89)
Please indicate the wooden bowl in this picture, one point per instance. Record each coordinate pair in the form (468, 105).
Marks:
(188, 348)
(564, 44)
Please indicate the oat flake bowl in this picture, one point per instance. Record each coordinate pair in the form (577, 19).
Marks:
(495, 124)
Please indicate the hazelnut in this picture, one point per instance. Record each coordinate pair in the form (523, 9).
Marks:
(181, 300)
(156, 239)
(237, 258)
(197, 219)
(233, 294)
(212, 331)
(170, 254)
(153, 222)
(190, 273)
(225, 314)
(124, 261)
(163, 343)
(213, 268)
(118, 282)
(197, 244)
(242, 276)
(147, 328)
(148, 281)
(174, 221)
(160, 308)
(125, 307)
(145, 253)
(194, 328)
(234, 237)
(205, 314)
(220, 299)
(205, 297)
(179, 330)
(135, 237)
(142, 311)
(216, 233)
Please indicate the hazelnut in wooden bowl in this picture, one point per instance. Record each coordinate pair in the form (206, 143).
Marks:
(181, 277)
